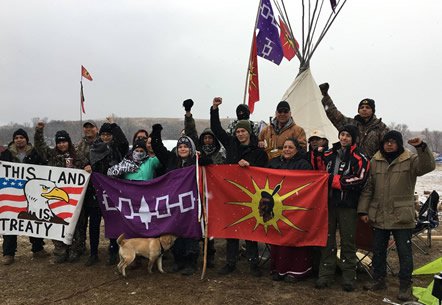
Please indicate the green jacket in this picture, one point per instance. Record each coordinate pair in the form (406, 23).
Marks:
(388, 197)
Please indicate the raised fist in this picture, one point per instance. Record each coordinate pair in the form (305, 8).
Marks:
(187, 104)
(40, 125)
(157, 128)
(217, 101)
(324, 88)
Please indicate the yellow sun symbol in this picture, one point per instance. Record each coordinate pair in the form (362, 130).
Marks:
(278, 208)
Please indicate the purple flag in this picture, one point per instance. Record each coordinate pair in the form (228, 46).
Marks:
(168, 204)
(267, 41)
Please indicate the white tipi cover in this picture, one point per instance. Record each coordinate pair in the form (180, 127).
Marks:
(304, 98)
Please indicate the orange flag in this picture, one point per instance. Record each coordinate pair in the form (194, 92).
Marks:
(289, 46)
(253, 77)
(85, 73)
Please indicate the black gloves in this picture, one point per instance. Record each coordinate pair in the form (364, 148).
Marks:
(187, 104)
(324, 88)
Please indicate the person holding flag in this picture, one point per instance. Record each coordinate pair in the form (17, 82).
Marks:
(21, 151)
(242, 149)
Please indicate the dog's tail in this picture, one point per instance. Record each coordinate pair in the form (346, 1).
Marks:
(121, 240)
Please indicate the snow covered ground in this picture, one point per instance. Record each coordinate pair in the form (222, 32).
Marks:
(430, 181)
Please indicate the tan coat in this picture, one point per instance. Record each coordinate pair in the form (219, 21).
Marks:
(275, 140)
(388, 197)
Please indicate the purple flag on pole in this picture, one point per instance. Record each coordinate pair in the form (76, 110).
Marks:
(168, 204)
(267, 41)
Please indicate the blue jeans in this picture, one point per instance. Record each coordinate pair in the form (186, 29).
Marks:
(402, 237)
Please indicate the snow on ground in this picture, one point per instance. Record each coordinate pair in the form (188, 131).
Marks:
(430, 181)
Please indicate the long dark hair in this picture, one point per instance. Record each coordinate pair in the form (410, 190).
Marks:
(137, 132)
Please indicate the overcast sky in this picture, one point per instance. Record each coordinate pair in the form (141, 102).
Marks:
(147, 56)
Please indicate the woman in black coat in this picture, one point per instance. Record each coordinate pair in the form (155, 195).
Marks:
(185, 250)
(290, 263)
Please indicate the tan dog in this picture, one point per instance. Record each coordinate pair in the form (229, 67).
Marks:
(151, 248)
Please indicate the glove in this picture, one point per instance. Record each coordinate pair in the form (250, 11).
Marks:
(187, 104)
(324, 88)
(157, 128)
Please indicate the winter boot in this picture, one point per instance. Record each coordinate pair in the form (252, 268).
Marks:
(376, 285)
(191, 262)
(210, 260)
(404, 291)
(254, 270)
(228, 268)
(178, 264)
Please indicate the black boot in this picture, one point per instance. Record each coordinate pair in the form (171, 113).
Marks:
(376, 285)
(405, 293)
(178, 264)
(210, 260)
(191, 262)
(254, 269)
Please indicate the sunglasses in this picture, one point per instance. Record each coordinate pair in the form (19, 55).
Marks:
(283, 110)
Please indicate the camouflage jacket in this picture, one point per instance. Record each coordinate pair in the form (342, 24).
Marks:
(54, 157)
(370, 132)
(84, 147)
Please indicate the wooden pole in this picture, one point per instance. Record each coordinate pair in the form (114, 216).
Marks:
(205, 223)
(251, 49)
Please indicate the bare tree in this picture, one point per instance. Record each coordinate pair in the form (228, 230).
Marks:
(436, 139)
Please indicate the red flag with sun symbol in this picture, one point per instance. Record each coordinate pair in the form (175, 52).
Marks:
(281, 207)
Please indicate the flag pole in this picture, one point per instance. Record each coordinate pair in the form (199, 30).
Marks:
(251, 49)
(81, 94)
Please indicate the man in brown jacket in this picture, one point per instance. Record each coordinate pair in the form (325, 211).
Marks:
(281, 128)
(387, 202)
(371, 129)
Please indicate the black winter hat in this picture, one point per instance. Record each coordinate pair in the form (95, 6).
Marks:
(20, 132)
(242, 112)
(106, 127)
(61, 136)
(369, 102)
(282, 105)
(352, 130)
(395, 135)
(140, 143)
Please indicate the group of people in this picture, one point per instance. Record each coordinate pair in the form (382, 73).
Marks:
(371, 177)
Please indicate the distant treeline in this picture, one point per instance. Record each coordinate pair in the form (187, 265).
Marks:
(171, 128)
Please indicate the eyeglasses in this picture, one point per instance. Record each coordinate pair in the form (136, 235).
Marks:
(283, 110)
(141, 138)
(390, 142)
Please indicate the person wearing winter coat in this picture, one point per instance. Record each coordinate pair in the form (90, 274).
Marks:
(317, 144)
(282, 127)
(91, 210)
(210, 153)
(348, 169)
(137, 165)
(290, 263)
(241, 149)
(387, 203)
(63, 155)
(185, 250)
(106, 152)
(21, 151)
(370, 128)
